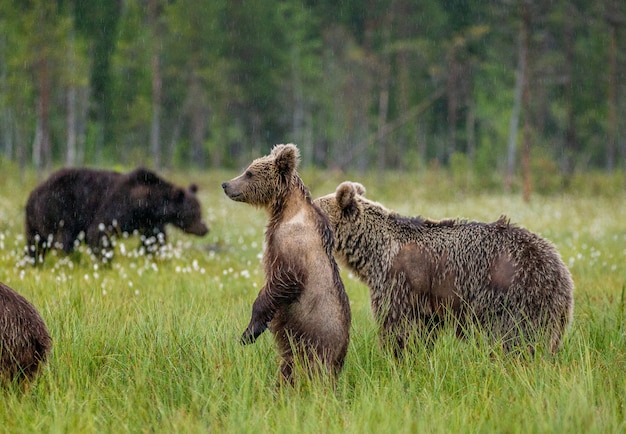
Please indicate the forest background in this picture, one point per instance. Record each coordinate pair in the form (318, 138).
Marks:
(441, 96)
(501, 87)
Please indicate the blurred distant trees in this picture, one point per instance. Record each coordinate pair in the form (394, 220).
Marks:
(357, 84)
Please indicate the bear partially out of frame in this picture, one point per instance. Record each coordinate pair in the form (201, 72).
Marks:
(25, 343)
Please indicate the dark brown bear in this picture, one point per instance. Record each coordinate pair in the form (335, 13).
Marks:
(503, 278)
(24, 339)
(303, 300)
(102, 203)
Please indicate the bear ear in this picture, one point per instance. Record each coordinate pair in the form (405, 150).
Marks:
(193, 188)
(359, 188)
(346, 198)
(144, 176)
(287, 158)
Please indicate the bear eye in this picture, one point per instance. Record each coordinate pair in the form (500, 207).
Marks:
(248, 174)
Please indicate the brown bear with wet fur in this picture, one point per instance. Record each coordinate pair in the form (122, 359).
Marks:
(24, 339)
(503, 278)
(102, 203)
(303, 301)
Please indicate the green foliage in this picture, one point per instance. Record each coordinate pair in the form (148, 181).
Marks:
(97, 21)
(598, 184)
(130, 73)
(342, 80)
(151, 344)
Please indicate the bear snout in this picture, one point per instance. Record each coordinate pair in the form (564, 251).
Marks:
(199, 228)
(231, 191)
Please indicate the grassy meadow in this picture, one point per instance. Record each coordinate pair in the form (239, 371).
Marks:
(152, 344)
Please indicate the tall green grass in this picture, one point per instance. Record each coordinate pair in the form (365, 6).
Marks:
(152, 344)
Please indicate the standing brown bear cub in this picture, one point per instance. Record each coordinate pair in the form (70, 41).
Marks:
(503, 278)
(102, 203)
(303, 301)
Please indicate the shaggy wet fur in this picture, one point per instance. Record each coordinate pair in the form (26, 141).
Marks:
(303, 300)
(24, 339)
(503, 278)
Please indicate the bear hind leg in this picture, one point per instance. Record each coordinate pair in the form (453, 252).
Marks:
(286, 371)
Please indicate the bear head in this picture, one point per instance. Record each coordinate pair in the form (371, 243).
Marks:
(345, 205)
(360, 228)
(266, 178)
(186, 211)
(160, 202)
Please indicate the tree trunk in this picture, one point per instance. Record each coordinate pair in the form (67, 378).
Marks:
(81, 123)
(41, 145)
(515, 115)
(198, 119)
(470, 128)
(71, 101)
(452, 95)
(7, 133)
(100, 127)
(155, 130)
(298, 103)
(383, 97)
(570, 145)
(403, 83)
(6, 123)
(403, 29)
(70, 155)
(20, 147)
(612, 95)
(383, 109)
(527, 131)
(174, 138)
